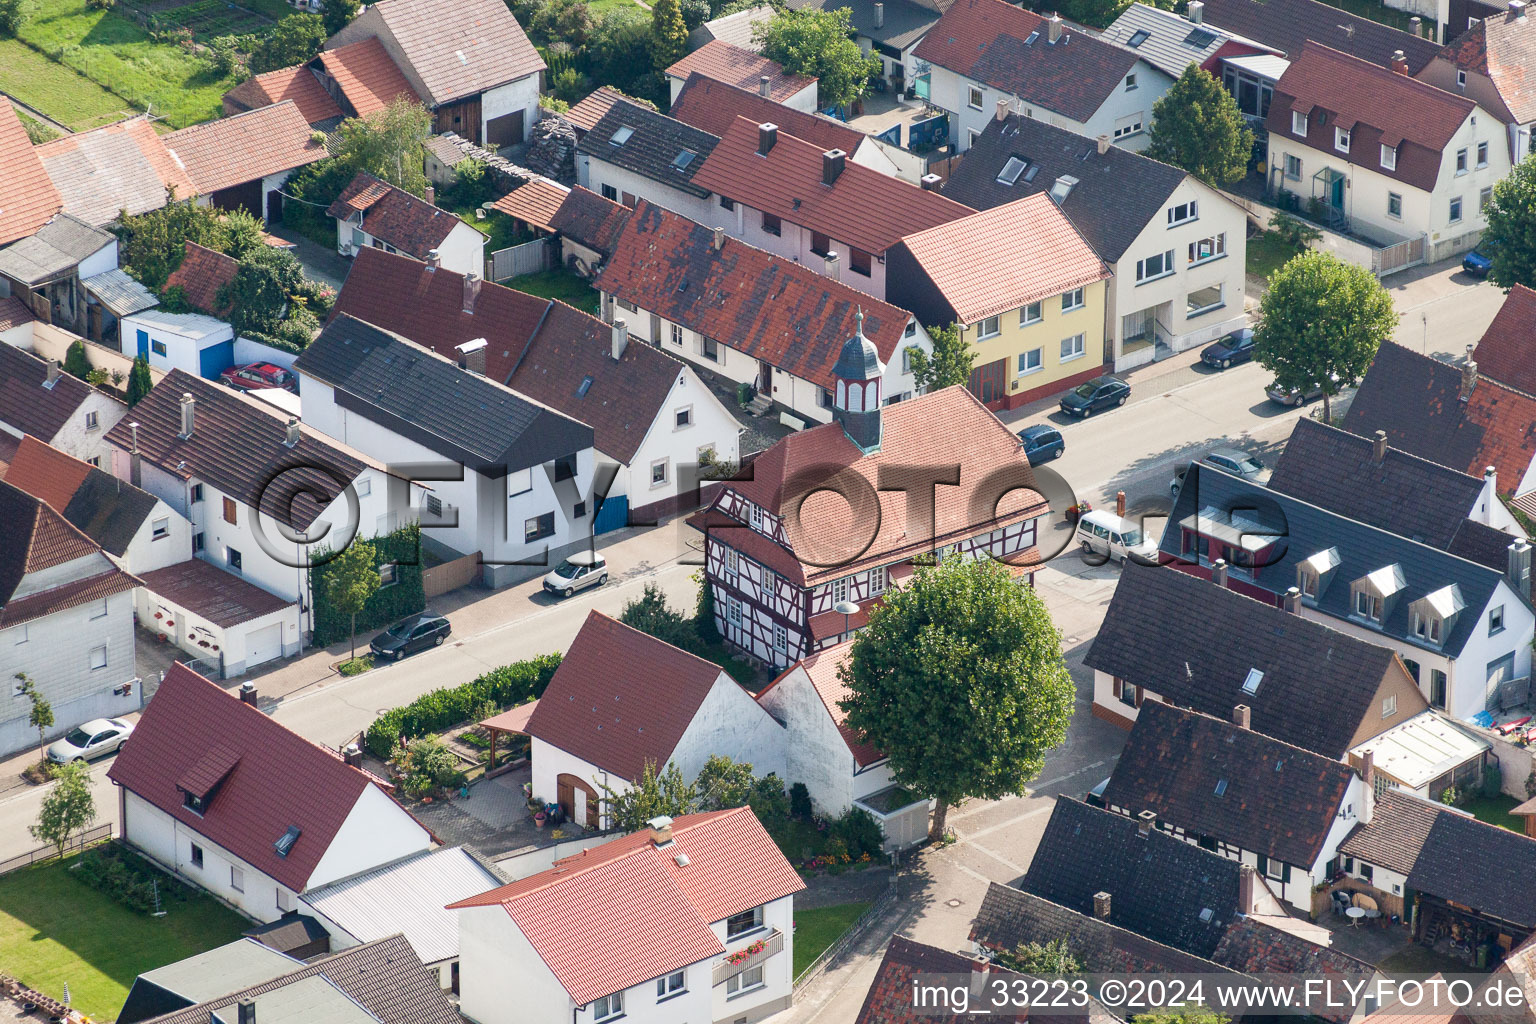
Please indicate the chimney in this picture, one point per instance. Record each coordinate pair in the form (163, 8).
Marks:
(765, 87)
(1368, 770)
(1120, 504)
(832, 162)
(620, 338)
(1002, 110)
(1416, 25)
(1379, 447)
(1103, 140)
(430, 195)
(1145, 821)
(830, 264)
(472, 356)
(291, 432)
(188, 413)
(1247, 891)
(1053, 28)
(1291, 602)
(879, 15)
(471, 291)
(434, 259)
(246, 1014)
(1196, 12)
(1101, 906)
(1517, 9)
(1219, 572)
(1468, 375)
(931, 182)
(1399, 62)
(661, 830)
(353, 755)
(1519, 571)
(767, 135)
(719, 239)
(53, 373)
(135, 460)
(248, 694)
(1242, 716)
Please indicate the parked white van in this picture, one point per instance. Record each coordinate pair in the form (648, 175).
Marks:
(1109, 536)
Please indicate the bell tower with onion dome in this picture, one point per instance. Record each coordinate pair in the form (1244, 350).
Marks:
(860, 377)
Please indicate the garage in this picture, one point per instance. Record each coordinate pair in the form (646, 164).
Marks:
(264, 644)
(506, 130)
(226, 623)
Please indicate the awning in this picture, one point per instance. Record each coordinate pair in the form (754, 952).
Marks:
(1420, 750)
(515, 720)
(119, 293)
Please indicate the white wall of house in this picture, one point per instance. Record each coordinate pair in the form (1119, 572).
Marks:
(98, 262)
(377, 831)
(816, 753)
(890, 160)
(164, 538)
(84, 432)
(241, 647)
(502, 978)
(617, 183)
(793, 242)
(730, 722)
(519, 94)
(778, 971)
(462, 252)
(549, 762)
(172, 347)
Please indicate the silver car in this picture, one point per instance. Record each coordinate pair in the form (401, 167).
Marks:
(96, 738)
(578, 572)
(1228, 460)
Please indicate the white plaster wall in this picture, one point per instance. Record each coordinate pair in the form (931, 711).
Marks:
(234, 652)
(951, 91)
(793, 242)
(550, 762)
(711, 425)
(730, 722)
(377, 831)
(76, 437)
(248, 351)
(594, 173)
(145, 553)
(462, 252)
(778, 970)
(181, 352)
(502, 980)
(99, 262)
(520, 94)
(815, 752)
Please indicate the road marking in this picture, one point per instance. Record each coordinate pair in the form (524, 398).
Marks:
(972, 836)
(1000, 858)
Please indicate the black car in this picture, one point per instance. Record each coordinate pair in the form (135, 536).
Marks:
(1042, 443)
(1099, 393)
(1236, 347)
(408, 636)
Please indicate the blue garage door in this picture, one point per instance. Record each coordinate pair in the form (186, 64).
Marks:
(612, 514)
(215, 359)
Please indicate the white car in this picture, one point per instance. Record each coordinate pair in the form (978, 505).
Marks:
(98, 737)
(1107, 535)
(578, 572)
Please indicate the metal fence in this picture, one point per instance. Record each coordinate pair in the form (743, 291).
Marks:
(528, 258)
(100, 833)
(847, 938)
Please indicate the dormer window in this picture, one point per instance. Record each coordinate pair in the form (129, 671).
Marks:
(1306, 582)
(1312, 573)
(1298, 123)
(1341, 140)
(1426, 627)
(1373, 592)
(1435, 613)
(196, 804)
(1368, 605)
(1388, 158)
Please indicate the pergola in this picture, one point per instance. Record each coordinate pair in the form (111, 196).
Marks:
(513, 723)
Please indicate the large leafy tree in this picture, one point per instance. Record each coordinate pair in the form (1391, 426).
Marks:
(1320, 324)
(68, 808)
(951, 362)
(352, 579)
(1197, 126)
(387, 144)
(669, 35)
(1052, 957)
(1510, 238)
(819, 44)
(656, 794)
(338, 14)
(959, 678)
(294, 40)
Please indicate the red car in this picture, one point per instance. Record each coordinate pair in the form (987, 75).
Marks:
(256, 376)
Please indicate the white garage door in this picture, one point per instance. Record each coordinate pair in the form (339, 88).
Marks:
(263, 644)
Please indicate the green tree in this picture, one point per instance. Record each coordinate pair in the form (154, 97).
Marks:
(68, 808)
(1197, 126)
(950, 363)
(655, 795)
(723, 784)
(1188, 1015)
(41, 715)
(338, 14)
(258, 297)
(669, 36)
(562, 22)
(619, 54)
(650, 614)
(352, 580)
(293, 40)
(1320, 324)
(388, 144)
(75, 363)
(153, 244)
(224, 52)
(1510, 237)
(1033, 958)
(139, 381)
(959, 678)
(819, 44)
(14, 14)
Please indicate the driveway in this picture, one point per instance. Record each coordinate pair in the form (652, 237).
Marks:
(320, 262)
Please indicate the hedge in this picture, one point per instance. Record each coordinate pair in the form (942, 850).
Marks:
(388, 604)
(448, 707)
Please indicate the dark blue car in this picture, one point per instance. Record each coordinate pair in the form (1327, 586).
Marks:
(1477, 262)
(1042, 443)
(1236, 347)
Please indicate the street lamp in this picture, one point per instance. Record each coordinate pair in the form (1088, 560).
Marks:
(847, 608)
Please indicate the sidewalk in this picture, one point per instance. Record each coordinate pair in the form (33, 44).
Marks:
(1142, 378)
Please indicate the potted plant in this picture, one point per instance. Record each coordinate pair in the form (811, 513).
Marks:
(540, 817)
(1076, 512)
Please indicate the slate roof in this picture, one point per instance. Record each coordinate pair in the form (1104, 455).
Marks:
(767, 307)
(203, 273)
(863, 207)
(385, 978)
(367, 76)
(1478, 865)
(1507, 350)
(1416, 400)
(821, 669)
(1171, 42)
(1378, 105)
(649, 914)
(1318, 686)
(1004, 258)
(740, 67)
(904, 21)
(209, 592)
(55, 250)
(1159, 886)
(107, 510)
(889, 1000)
(1396, 833)
(237, 445)
(414, 226)
(535, 201)
(1117, 193)
(120, 293)
(736, 28)
(651, 150)
(594, 105)
(233, 150)
(28, 403)
(621, 698)
(1502, 47)
(460, 48)
(27, 196)
(588, 219)
(987, 42)
(1211, 777)
(1482, 544)
(428, 398)
(713, 106)
(1403, 494)
(1287, 25)
(33, 538)
(297, 83)
(1302, 531)
(122, 166)
(265, 778)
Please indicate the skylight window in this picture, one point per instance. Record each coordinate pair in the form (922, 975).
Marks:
(1200, 38)
(285, 842)
(683, 159)
(584, 387)
(1138, 37)
(1027, 42)
(1251, 684)
(621, 136)
(1206, 915)
(1011, 171)
(1221, 787)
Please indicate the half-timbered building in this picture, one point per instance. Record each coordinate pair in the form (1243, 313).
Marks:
(841, 511)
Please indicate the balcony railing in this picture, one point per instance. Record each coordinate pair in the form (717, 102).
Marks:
(774, 943)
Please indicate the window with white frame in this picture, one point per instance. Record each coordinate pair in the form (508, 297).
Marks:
(1367, 605)
(840, 590)
(1496, 620)
(1298, 123)
(1394, 205)
(1073, 348)
(780, 637)
(659, 470)
(1426, 627)
(389, 575)
(1482, 154)
(98, 657)
(746, 921)
(731, 560)
(1341, 140)
(1206, 249)
(769, 582)
(1484, 198)
(1129, 125)
(733, 610)
(1031, 314)
(608, 1007)
(1029, 362)
(1072, 300)
(92, 421)
(991, 327)
(1293, 167)
(160, 529)
(670, 985)
(683, 417)
(284, 900)
(1306, 582)
(747, 981)
(1389, 706)
(906, 360)
(1461, 76)
(236, 878)
(879, 581)
(1461, 161)
(1183, 213)
(1152, 268)
(1455, 209)
(974, 98)
(756, 517)
(677, 335)
(1203, 300)
(1388, 158)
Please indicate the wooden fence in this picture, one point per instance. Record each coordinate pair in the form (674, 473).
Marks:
(451, 575)
(99, 834)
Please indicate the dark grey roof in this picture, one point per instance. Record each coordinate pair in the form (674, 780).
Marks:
(1164, 888)
(1480, 543)
(1480, 866)
(1116, 195)
(420, 395)
(28, 403)
(121, 294)
(653, 147)
(1287, 24)
(1395, 835)
(108, 510)
(1301, 531)
(57, 248)
(859, 359)
(905, 22)
(1318, 685)
(1404, 494)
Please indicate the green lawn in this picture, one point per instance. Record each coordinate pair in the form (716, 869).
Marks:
(598, 8)
(64, 95)
(1267, 253)
(1495, 811)
(562, 285)
(54, 929)
(798, 840)
(817, 929)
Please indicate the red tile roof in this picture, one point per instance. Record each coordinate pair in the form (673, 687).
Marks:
(1002, 258)
(14, 313)
(234, 150)
(889, 1000)
(864, 208)
(591, 109)
(459, 48)
(622, 698)
(202, 274)
(795, 471)
(534, 202)
(368, 78)
(35, 537)
(750, 300)
(1503, 47)
(1507, 350)
(821, 669)
(714, 106)
(280, 779)
(1379, 106)
(414, 226)
(588, 219)
(741, 68)
(27, 196)
(647, 914)
(222, 598)
(297, 83)
(45, 472)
